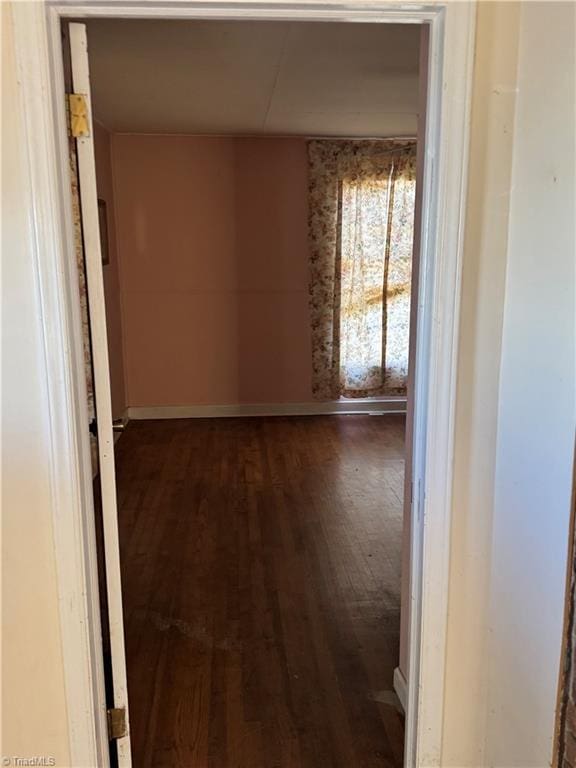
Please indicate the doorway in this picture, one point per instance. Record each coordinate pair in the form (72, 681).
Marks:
(272, 236)
(417, 420)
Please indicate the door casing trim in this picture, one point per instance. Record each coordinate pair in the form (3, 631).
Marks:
(36, 28)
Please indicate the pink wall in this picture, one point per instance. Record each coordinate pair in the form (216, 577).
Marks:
(111, 273)
(212, 240)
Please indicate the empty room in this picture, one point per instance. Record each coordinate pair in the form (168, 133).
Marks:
(256, 195)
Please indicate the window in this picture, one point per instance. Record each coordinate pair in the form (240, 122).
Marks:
(376, 232)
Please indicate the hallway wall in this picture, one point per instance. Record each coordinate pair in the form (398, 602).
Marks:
(535, 451)
(513, 462)
(34, 715)
(213, 251)
(482, 300)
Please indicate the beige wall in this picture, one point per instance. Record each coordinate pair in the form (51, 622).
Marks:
(212, 240)
(515, 406)
(483, 283)
(111, 273)
(34, 719)
(537, 400)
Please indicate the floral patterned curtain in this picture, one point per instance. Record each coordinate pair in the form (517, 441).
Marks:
(361, 217)
(79, 244)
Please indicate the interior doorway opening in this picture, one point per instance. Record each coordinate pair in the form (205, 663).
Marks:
(444, 166)
(261, 557)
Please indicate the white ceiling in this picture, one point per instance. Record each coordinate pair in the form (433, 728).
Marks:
(274, 78)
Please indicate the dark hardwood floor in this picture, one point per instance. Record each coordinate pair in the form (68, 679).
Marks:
(261, 579)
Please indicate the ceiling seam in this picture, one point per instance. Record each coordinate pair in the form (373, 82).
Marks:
(281, 61)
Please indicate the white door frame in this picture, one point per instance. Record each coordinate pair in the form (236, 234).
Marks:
(38, 55)
(88, 208)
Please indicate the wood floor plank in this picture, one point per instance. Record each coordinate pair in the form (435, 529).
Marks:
(261, 577)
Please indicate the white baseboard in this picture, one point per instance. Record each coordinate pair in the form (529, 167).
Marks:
(401, 688)
(370, 406)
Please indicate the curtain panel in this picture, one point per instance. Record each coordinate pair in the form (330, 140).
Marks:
(81, 267)
(361, 226)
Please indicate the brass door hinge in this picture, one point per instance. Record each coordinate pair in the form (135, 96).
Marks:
(116, 723)
(78, 115)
